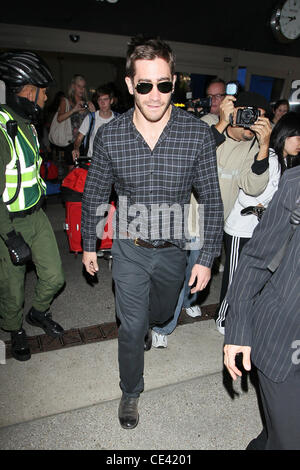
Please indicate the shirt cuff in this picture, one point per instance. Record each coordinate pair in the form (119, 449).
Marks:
(89, 245)
(219, 138)
(260, 166)
(205, 259)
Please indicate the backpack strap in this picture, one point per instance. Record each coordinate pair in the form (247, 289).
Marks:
(87, 137)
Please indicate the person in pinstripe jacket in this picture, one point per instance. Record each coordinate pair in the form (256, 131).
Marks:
(263, 322)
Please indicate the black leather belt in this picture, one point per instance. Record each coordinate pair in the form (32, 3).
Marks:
(143, 243)
(31, 210)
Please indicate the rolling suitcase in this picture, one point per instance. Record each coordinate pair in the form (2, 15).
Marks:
(73, 229)
(72, 189)
(73, 226)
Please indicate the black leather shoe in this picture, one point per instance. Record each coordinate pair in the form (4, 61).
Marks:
(148, 340)
(128, 412)
(44, 320)
(19, 345)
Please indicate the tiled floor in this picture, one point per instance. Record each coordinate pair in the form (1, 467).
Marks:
(95, 333)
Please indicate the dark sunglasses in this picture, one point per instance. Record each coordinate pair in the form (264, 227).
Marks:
(143, 88)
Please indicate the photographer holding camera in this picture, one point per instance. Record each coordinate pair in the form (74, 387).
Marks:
(215, 92)
(208, 109)
(242, 158)
(75, 107)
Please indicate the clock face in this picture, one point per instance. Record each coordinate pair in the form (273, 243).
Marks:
(289, 21)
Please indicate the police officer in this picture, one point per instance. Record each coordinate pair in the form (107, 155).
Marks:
(25, 231)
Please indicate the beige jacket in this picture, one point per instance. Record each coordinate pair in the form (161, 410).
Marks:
(234, 168)
(193, 219)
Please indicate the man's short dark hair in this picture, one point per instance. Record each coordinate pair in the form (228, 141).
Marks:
(141, 48)
(250, 98)
(104, 90)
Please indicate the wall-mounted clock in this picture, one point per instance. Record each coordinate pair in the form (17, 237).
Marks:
(285, 21)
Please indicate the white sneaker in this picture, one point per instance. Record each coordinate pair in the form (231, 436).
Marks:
(194, 311)
(159, 341)
(221, 329)
(221, 268)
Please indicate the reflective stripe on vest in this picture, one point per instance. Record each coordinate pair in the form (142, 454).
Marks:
(32, 185)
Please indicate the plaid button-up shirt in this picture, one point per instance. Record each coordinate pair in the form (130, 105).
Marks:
(146, 180)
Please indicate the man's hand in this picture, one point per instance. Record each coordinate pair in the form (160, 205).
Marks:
(91, 106)
(77, 143)
(226, 109)
(230, 351)
(75, 154)
(89, 259)
(202, 274)
(262, 129)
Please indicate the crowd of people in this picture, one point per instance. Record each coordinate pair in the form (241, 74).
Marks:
(240, 181)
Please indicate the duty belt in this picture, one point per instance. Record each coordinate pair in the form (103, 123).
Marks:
(13, 215)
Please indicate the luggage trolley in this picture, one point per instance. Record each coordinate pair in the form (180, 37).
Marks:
(72, 189)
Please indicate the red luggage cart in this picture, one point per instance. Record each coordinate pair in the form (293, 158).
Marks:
(72, 188)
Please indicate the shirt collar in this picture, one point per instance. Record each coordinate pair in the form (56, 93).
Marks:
(173, 118)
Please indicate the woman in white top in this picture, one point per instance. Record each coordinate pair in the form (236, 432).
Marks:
(283, 154)
(75, 107)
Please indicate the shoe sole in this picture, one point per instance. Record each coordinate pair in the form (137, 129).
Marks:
(33, 323)
(159, 346)
(193, 315)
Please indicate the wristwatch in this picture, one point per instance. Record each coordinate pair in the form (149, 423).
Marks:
(285, 21)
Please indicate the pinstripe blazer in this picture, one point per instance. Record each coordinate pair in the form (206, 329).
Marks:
(264, 308)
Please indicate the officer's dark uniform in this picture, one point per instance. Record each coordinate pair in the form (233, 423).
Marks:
(25, 231)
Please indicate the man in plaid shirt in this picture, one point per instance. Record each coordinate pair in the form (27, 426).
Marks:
(154, 154)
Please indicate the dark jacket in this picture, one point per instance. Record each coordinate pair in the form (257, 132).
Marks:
(264, 306)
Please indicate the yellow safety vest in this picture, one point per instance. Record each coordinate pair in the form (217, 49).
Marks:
(32, 186)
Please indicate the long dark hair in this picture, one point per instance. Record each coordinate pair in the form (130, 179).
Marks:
(287, 126)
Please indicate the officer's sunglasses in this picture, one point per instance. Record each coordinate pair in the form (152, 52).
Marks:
(143, 88)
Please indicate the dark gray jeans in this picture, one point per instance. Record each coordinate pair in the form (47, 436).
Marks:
(147, 286)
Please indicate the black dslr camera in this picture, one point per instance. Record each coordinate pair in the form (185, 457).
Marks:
(246, 117)
(195, 105)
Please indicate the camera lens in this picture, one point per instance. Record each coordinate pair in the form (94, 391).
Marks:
(247, 116)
